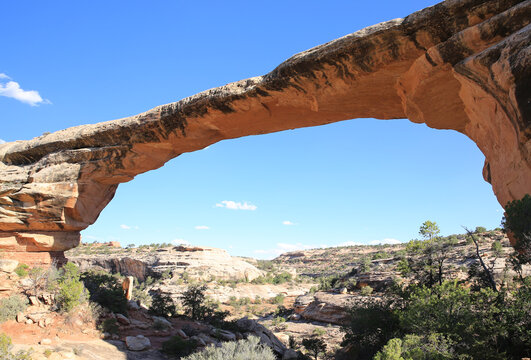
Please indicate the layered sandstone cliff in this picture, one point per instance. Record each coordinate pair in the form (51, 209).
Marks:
(461, 65)
(197, 262)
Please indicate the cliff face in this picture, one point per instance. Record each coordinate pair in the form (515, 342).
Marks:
(461, 65)
(197, 262)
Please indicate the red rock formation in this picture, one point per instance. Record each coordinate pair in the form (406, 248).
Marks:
(461, 64)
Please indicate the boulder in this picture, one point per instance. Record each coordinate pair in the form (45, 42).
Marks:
(21, 318)
(133, 305)
(162, 321)
(290, 354)
(265, 335)
(34, 300)
(137, 343)
(7, 265)
(45, 341)
(198, 340)
(181, 334)
(329, 308)
(122, 319)
(223, 335)
(139, 324)
(35, 317)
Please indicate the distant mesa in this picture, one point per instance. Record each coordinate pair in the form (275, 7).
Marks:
(198, 262)
(460, 65)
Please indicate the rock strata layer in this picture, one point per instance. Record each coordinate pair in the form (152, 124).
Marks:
(198, 262)
(461, 65)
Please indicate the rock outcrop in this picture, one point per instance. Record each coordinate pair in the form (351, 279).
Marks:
(461, 65)
(197, 262)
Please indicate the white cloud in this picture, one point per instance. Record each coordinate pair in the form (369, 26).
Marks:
(2, 141)
(90, 237)
(350, 243)
(287, 223)
(180, 242)
(387, 241)
(233, 205)
(12, 89)
(127, 227)
(202, 227)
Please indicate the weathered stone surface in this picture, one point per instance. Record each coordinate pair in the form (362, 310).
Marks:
(137, 343)
(332, 308)
(198, 262)
(122, 319)
(461, 65)
(7, 265)
(266, 336)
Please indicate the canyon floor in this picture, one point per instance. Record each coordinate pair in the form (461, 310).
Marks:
(298, 295)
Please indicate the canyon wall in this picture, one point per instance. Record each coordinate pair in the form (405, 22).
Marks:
(461, 65)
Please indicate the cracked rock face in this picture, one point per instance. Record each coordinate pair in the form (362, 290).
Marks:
(462, 64)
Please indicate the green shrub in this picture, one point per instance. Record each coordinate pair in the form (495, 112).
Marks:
(109, 325)
(380, 255)
(365, 265)
(163, 305)
(391, 351)
(516, 220)
(249, 349)
(43, 280)
(71, 291)
(370, 327)
(106, 290)
(11, 306)
(281, 278)
(314, 346)
(22, 270)
(279, 322)
(198, 307)
(279, 299)
(318, 332)
(480, 229)
(414, 347)
(176, 346)
(5, 350)
(366, 290)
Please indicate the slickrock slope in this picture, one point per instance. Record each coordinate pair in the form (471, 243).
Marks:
(197, 262)
(461, 65)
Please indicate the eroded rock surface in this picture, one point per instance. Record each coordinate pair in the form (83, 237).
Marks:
(198, 262)
(461, 65)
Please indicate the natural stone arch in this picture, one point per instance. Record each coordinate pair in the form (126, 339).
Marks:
(461, 65)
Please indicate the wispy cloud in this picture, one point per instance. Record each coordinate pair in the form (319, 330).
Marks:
(350, 243)
(127, 227)
(12, 89)
(387, 241)
(180, 242)
(288, 223)
(233, 205)
(93, 238)
(2, 141)
(202, 227)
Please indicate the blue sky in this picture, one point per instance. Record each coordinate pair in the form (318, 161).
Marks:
(68, 63)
